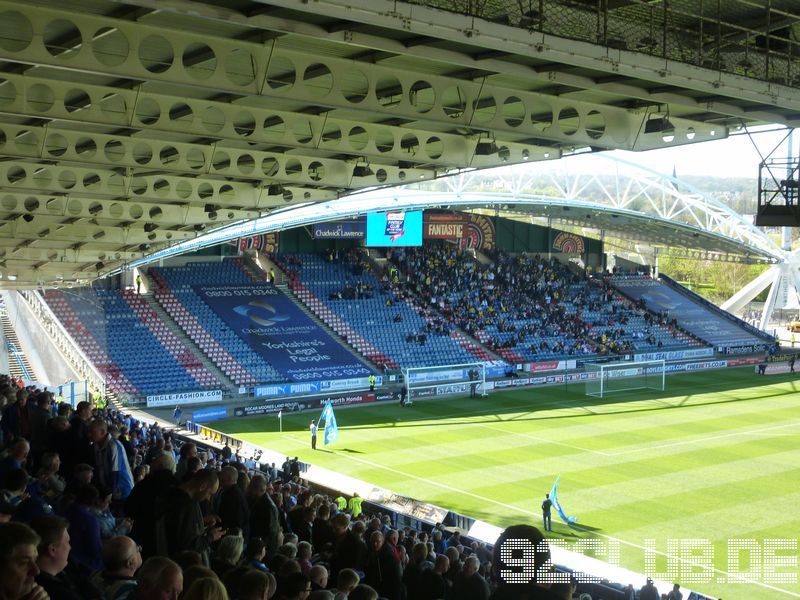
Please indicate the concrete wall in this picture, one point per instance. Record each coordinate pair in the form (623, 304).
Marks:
(49, 366)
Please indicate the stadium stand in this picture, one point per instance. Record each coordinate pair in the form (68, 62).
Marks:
(530, 309)
(372, 317)
(229, 352)
(128, 343)
(690, 312)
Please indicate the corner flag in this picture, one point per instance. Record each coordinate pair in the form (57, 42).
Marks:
(331, 428)
(557, 505)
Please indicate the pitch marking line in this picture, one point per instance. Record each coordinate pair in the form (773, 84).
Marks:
(543, 440)
(728, 576)
(705, 439)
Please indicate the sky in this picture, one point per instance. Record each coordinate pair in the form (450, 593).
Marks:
(736, 156)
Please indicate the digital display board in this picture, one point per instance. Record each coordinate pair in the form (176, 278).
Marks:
(394, 229)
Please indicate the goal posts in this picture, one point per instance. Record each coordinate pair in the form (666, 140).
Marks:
(606, 378)
(445, 380)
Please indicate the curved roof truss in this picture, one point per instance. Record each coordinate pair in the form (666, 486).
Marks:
(643, 206)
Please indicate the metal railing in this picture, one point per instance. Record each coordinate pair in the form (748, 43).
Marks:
(731, 36)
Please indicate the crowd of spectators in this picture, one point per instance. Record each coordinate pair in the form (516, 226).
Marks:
(533, 305)
(98, 505)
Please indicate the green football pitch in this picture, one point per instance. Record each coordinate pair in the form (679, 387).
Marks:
(698, 483)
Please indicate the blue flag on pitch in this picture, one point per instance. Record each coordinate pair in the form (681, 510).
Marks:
(331, 428)
(557, 505)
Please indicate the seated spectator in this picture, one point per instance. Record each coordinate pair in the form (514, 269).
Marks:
(346, 582)
(84, 529)
(110, 525)
(227, 554)
(255, 553)
(207, 588)
(363, 592)
(13, 486)
(18, 569)
(295, 586)
(159, 577)
(304, 550)
(16, 457)
(193, 573)
(82, 475)
(121, 559)
(319, 577)
(257, 585)
(53, 557)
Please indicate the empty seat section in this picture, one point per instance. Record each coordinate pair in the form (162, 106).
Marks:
(223, 346)
(124, 347)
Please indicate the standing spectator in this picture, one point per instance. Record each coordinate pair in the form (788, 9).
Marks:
(230, 502)
(649, 591)
(39, 416)
(106, 460)
(16, 420)
(264, 516)
(349, 550)
(413, 574)
(321, 530)
(179, 519)
(383, 570)
(79, 449)
(187, 451)
(469, 584)
(435, 584)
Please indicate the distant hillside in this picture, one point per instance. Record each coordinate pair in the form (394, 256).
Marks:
(740, 193)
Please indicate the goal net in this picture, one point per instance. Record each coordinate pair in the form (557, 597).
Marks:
(463, 379)
(607, 378)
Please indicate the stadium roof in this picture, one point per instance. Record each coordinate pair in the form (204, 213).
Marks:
(128, 127)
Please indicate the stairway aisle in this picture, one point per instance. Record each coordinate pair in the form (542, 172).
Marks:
(18, 364)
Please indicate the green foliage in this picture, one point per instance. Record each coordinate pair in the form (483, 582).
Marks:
(714, 280)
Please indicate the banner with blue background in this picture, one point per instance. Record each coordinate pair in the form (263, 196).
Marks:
(277, 329)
